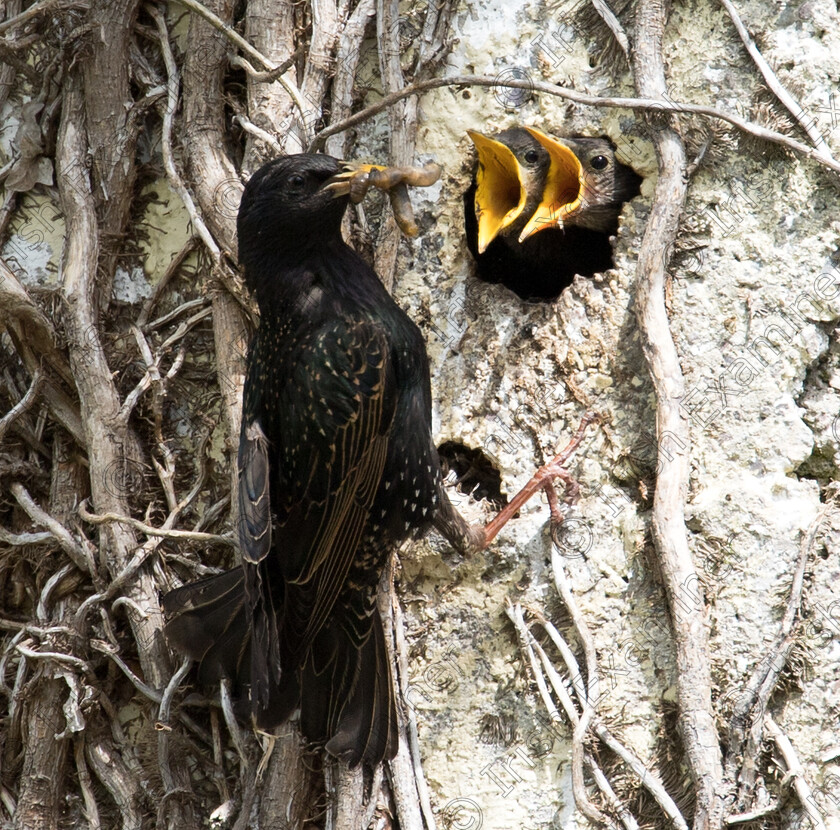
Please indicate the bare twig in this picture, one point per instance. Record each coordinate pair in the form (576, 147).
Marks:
(34, 338)
(608, 16)
(582, 800)
(319, 63)
(272, 74)
(39, 8)
(163, 728)
(753, 815)
(80, 557)
(795, 771)
(561, 582)
(164, 533)
(744, 746)
(402, 119)
(169, 692)
(408, 784)
(648, 779)
(23, 405)
(346, 62)
(259, 133)
(161, 285)
(58, 656)
(56, 579)
(110, 651)
(775, 85)
(217, 187)
(271, 27)
(18, 539)
(121, 782)
(85, 784)
(642, 103)
(234, 37)
(172, 85)
(616, 805)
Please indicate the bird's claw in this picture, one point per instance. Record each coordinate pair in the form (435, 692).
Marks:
(356, 179)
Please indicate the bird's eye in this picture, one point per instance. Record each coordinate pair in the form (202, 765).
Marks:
(296, 181)
(531, 156)
(599, 162)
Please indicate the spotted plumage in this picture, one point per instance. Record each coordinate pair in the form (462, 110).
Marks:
(336, 467)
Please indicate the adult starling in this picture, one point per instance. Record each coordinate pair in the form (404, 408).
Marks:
(542, 209)
(337, 467)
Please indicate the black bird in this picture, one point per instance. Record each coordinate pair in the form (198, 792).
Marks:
(337, 467)
(542, 209)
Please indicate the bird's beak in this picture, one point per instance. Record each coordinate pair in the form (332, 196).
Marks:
(352, 181)
(564, 187)
(500, 193)
(356, 179)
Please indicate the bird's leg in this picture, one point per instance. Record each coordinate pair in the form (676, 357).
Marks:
(543, 479)
(472, 539)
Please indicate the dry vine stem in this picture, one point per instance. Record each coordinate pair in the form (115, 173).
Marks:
(694, 684)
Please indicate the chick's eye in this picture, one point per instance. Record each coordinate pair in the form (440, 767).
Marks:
(531, 156)
(599, 162)
(296, 180)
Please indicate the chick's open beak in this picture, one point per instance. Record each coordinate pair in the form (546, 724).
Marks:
(500, 193)
(563, 187)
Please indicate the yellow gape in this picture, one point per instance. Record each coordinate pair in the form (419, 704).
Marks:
(500, 193)
(564, 187)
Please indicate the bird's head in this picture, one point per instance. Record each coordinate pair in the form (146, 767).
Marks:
(286, 206)
(528, 181)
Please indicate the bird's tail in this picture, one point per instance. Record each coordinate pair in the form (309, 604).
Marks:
(208, 621)
(347, 694)
(345, 690)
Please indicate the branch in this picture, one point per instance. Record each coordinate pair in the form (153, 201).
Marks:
(643, 103)
(259, 133)
(190, 535)
(23, 405)
(78, 555)
(408, 784)
(234, 37)
(38, 8)
(775, 85)
(34, 339)
(270, 75)
(175, 181)
(123, 786)
(649, 780)
(795, 771)
(694, 682)
(607, 15)
(765, 675)
(346, 62)
(582, 801)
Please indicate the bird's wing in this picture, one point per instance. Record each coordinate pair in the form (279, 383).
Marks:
(329, 451)
(254, 496)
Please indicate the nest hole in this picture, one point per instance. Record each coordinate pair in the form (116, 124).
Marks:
(473, 473)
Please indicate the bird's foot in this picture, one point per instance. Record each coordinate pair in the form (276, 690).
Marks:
(356, 180)
(543, 479)
(472, 538)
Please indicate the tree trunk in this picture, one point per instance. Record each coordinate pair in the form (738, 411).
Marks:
(666, 657)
